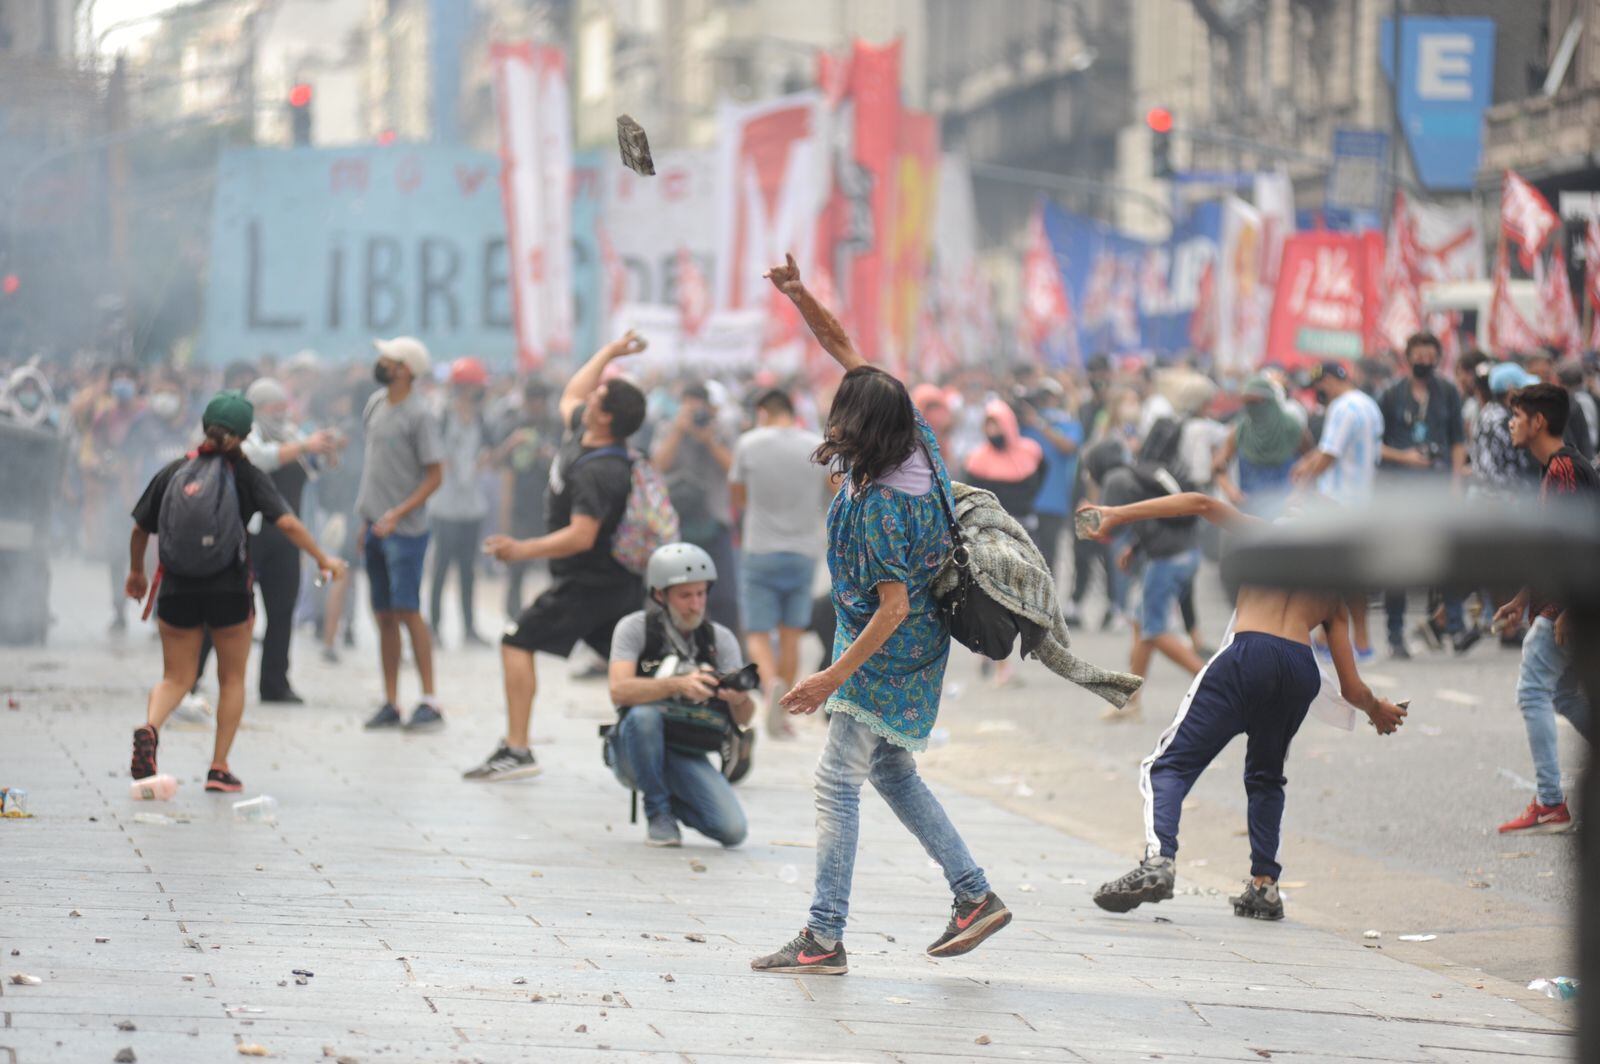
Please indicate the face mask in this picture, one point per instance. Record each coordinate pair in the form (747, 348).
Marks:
(165, 404)
(122, 389)
(382, 373)
(1422, 371)
(998, 440)
(30, 400)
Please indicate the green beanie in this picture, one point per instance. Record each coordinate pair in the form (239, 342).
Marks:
(231, 411)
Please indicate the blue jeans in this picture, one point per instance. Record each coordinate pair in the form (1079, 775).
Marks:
(853, 755)
(1546, 685)
(688, 786)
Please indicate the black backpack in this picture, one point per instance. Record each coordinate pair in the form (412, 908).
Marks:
(199, 531)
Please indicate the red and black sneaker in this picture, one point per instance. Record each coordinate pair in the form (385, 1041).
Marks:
(970, 923)
(805, 956)
(220, 779)
(1540, 820)
(145, 741)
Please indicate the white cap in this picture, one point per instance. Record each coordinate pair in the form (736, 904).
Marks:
(302, 359)
(408, 351)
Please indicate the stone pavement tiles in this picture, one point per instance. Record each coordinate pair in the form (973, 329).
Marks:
(447, 921)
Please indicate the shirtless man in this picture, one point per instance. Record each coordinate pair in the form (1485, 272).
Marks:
(1261, 682)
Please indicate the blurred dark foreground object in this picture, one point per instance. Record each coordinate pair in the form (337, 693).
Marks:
(635, 146)
(1417, 539)
(29, 476)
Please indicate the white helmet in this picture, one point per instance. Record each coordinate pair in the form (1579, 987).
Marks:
(678, 563)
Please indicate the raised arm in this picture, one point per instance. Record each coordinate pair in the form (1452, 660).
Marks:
(824, 326)
(1187, 504)
(587, 379)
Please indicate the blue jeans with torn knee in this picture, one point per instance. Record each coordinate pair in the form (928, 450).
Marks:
(686, 785)
(853, 755)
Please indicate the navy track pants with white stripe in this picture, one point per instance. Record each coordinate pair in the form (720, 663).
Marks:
(1257, 685)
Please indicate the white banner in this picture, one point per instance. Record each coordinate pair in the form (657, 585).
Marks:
(536, 178)
(651, 220)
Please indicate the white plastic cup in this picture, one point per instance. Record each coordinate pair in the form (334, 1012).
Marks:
(153, 788)
(263, 808)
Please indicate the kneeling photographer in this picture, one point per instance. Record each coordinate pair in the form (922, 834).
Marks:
(682, 691)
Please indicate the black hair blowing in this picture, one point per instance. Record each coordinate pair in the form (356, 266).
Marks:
(871, 429)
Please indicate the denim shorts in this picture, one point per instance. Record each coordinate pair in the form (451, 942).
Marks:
(776, 590)
(394, 571)
(1164, 581)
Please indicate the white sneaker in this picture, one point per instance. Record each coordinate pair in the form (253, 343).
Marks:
(193, 710)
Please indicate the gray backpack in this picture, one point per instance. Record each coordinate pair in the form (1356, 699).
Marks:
(199, 531)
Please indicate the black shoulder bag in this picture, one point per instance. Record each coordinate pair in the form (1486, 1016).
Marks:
(976, 620)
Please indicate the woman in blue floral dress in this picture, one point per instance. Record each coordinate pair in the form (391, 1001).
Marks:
(888, 536)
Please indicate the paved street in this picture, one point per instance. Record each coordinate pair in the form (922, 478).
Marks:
(527, 921)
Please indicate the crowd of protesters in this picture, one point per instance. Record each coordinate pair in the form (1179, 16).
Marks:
(465, 452)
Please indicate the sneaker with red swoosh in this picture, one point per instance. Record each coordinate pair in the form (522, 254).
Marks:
(970, 923)
(805, 956)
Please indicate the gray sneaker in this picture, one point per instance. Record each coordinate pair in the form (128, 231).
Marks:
(663, 831)
(388, 716)
(1152, 881)
(504, 764)
(1260, 903)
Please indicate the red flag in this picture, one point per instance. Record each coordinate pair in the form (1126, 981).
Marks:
(1046, 308)
(694, 294)
(1561, 328)
(1203, 321)
(1591, 279)
(1509, 332)
(1525, 217)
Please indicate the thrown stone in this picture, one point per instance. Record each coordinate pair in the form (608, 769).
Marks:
(125, 1056)
(635, 146)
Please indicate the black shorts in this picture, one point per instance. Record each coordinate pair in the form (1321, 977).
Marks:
(566, 614)
(213, 609)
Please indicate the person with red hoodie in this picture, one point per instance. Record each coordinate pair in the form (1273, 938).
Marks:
(1007, 463)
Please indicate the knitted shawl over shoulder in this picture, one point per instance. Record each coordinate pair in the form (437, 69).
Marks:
(1006, 564)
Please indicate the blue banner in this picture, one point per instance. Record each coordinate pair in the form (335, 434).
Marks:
(1446, 82)
(328, 248)
(1129, 296)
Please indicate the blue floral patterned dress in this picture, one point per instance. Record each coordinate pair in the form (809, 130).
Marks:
(884, 535)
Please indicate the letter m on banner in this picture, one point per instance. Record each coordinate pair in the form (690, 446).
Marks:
(536, 179)
(771, 174)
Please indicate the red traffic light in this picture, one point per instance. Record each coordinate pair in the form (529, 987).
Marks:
(10, 284)
(1159, 119)
(300, 95)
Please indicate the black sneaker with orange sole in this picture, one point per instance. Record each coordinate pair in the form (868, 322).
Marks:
(970, 923)
(805, 956)
(220, 779)
(145, 741)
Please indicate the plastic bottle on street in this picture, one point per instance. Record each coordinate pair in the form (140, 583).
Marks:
(1562, 987)
(153, 788)
(263, 809)
(14, 802)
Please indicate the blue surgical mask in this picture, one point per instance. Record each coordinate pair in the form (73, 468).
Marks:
(122, 389)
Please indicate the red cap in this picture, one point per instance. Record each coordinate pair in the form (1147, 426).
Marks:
(468, 371)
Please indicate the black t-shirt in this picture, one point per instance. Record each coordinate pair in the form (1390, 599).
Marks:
(597, 487)
(257, 494)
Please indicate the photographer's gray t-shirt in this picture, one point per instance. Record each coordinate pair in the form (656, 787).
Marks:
(627, 643)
